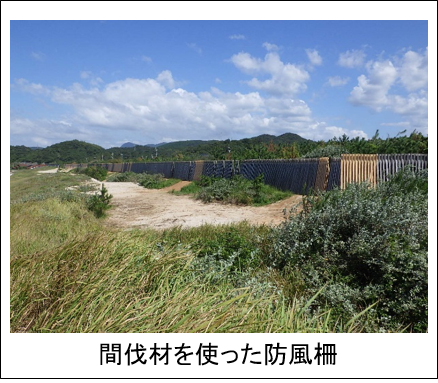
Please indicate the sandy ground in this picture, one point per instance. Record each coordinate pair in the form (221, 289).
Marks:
(137, 207)
(134, 206)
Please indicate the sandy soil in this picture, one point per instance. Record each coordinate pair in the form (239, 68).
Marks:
(134, 206)
(137, 207)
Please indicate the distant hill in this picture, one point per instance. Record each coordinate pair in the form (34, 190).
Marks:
(80, 151)
(128, 145)
(286, 138)
(132, 145)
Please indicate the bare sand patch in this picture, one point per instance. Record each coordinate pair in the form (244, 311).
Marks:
(137, 207)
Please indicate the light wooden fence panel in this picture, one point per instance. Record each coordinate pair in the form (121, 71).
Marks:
(358, 168)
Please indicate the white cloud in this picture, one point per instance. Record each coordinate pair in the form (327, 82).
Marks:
(88, 75)
(85, 74)
(38, 56)
(152, 111)
(314, 57)
(195, 48)
(285, 79)
(352, 59)
(270, 47)
(217, 80)
(246, 63)
(166, 79)
(403, 123)
(32, 88)
(413, 71)
(44, 132)
(146, 59)
(237, 37)
(337, 81)
(372, 91)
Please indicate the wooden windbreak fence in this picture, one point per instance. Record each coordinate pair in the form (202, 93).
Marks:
(322, 174)
(358, 168)
(297, 175)
(389, 164)
(199, 168)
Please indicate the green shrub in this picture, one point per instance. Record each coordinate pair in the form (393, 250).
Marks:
(367, 245)
(239, 190)
(99, 203)
(95, 172)
(149, 181)
(231, 248)
(156, 181)
(124, 177)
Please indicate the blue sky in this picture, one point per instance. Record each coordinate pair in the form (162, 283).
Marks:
(109, 82)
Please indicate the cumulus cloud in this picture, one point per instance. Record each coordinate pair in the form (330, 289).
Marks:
(166, 79)
(270, 47)
(44, 132)
(32, 88)
(413, 70)
(314, 57)
(352, 59)
(285, 79)
(337, 81)
(374, 89)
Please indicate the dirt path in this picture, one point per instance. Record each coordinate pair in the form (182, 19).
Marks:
(137, 207)
(134, 206)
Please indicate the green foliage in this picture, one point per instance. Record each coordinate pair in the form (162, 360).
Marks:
(157, 181)
(191, 188)
(233, 250)
(239, 190)
(99, 203)
(400, 144)
(95, 172)
(408, 180)
(367, 245)
(149, 181)
(327, 151)
(124, 177)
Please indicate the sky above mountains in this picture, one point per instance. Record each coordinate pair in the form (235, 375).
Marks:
(109, 82)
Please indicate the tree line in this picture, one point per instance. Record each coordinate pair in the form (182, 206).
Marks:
(285, 146)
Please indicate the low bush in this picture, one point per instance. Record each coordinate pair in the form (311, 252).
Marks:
(365, 245)
(149, 181)
(95, 172)
(239, 190)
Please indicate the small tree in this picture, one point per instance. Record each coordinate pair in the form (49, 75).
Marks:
(99, 203)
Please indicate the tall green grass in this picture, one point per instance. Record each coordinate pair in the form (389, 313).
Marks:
(120, 282)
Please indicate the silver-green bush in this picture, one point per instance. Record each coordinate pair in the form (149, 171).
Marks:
(365, 245)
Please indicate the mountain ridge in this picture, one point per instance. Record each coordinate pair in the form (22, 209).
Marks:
(81, 151)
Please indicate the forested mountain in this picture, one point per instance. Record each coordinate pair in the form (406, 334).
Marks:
(265, 146)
